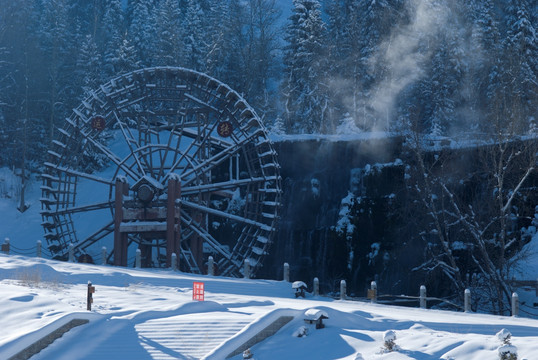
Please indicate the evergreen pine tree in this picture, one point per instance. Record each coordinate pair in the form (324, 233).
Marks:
(260, 57)
(55, 47)
(196, 47)
(215, 61)
(348, 68)
(522, 66)
(447, 75)
(127, 57)
(170, 41)
(141, 30)
(24, 72)
(483, 46)
(304, 88)
(113, 23)
(89, 66)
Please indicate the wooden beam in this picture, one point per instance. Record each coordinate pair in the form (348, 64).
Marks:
(173, 230)
(120, 238)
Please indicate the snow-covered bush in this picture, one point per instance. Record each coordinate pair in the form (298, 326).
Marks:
(247, 354)
(504, 336)
(389, 341)
(301, 332)
(507, 351)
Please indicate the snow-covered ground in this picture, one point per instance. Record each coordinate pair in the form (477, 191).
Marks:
(150, 314)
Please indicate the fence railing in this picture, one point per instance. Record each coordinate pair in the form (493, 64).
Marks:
(422, 300)
(372, 293)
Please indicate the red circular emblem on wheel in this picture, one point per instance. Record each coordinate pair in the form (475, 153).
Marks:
(225, 129)
(98, 123)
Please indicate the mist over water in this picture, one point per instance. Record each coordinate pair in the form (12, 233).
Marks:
(404, 55)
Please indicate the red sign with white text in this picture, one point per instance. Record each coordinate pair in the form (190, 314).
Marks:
(198, 291)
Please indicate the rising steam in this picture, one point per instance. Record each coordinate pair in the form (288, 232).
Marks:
(404, 56)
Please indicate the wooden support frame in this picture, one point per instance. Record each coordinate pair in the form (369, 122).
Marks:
(120, 238)
(170, 230)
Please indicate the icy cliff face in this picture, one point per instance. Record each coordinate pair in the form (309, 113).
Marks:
(317, 175)
(354, 210)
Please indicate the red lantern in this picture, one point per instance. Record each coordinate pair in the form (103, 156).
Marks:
(225, 128)
(98, 123)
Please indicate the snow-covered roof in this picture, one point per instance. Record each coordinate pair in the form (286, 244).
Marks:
(315, 314)
(148, 180)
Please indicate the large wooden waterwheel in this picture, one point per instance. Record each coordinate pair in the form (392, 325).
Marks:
(168, 161)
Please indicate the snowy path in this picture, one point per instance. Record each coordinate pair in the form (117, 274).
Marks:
(187, 336)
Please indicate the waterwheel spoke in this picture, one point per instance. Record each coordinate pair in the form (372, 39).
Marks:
(178, 150)
(216, 142)
(102, 148)
(220, 186)
(168, 150)
(115, 159)
(226, 215)
(212, 162)
(82, 208)
(96, 236)
(188, 257)
(178, 161)
(81, 174)
(195, 144)
(204, 141)
(129, 139)
(208, 238)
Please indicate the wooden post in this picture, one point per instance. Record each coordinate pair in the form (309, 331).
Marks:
(467, 301)
(515, 304)
(5, 246)
(196, 242)
(372, 293)
(120, 238)
(38, 249)
(71, 253)
(316, 286)
(138, 260)
(210, 266)
(423, 297)
(103, 255)
(89, 299)
(174, 261)
(343, 290)
(173, 221)
(286, 272)
(247, 269)
(146, 255)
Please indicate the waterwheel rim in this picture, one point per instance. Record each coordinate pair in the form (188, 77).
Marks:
(154, 124)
